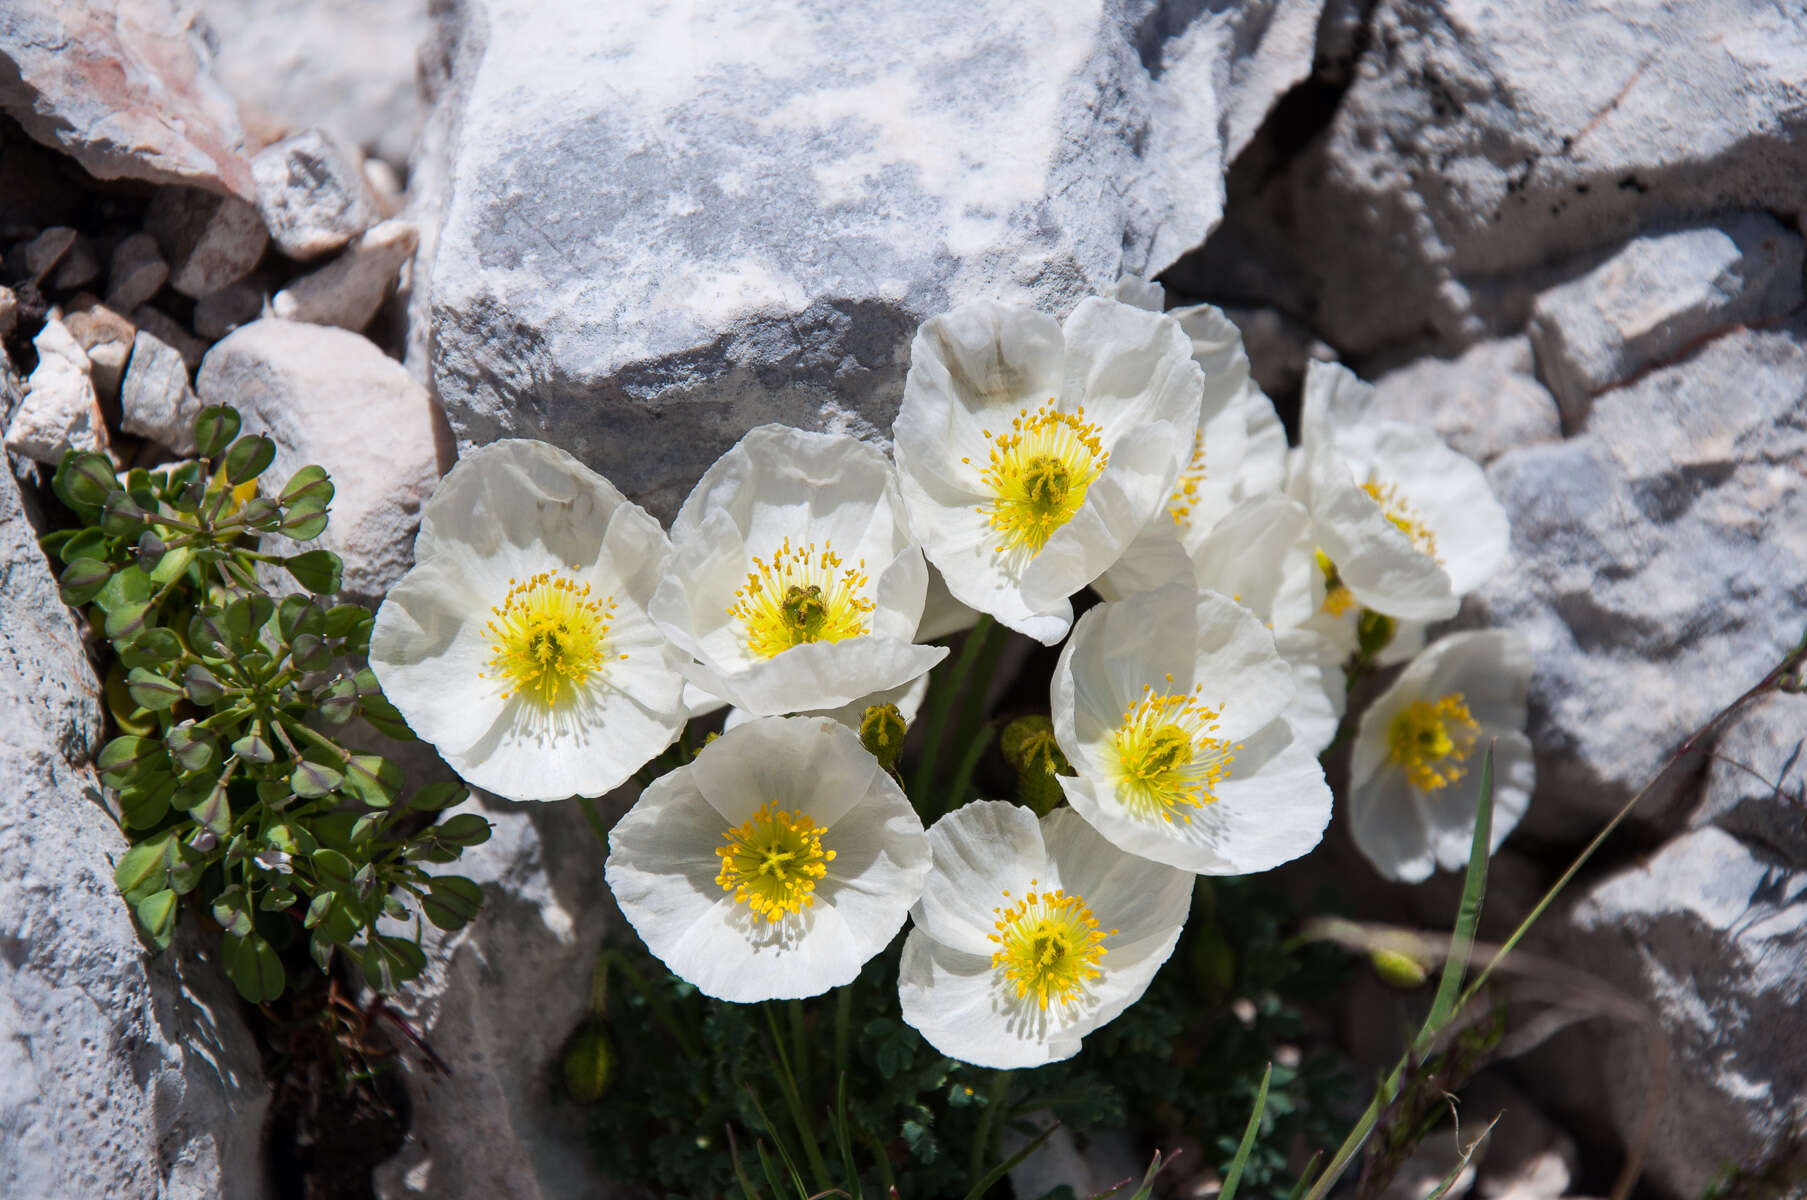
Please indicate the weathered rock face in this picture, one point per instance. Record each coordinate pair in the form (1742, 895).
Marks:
(329, 397)
(1483, 403)
(119, 1075)
(498, 1001)
(1481, 140)
(1659, 566)
(123, 86)
(663, 226)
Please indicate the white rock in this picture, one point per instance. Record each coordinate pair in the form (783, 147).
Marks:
(210, 241)
(1658, 567)
(311, 194)
(330, 397)
(666, 224)
(1279, 348)
(1756, 786)
(138, 272)
(120, 1075)
(1483, 403)
(347, 291)
(106, 337)
(1659, 297)
(59, 412)
(123, 86)
(170, 332)
(498, 1000)
(156, 401)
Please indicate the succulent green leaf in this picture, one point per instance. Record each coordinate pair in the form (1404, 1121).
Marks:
(152, 648)
(305, 519)
(253, 967)
(247, 615)
(463, 829)
(140, 869)
(333, 870)
(384, 718)
(372, 779)
(84, 480)
(254, 748)
(153, 691)
(81, 543)
(392, 961)
(203, 686)
(435, 796)
(310, 481)
(150, 550)
(128, 621)
(298, 614)
(172, 564)
(128, 586)
(191, 747)
(312, 779)
(125, 758)
(309, 652)
(318, 571)
(215, 812)
(144, 804)
(215, 427)
(338, 702)
(83, 579)
(207, 633)
(121, 515)
(157, 917)
(451, 901)
(248, 458)
(232, 909)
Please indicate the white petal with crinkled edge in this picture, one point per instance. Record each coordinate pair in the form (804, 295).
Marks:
(508, 511)
(959, 1002)
(662, 863)
(975, 369)
(907, 699)
(817, 490)
(1272, 805)
(1407, 832)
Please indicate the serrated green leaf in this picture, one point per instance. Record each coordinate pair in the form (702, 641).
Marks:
(157, 917)
(318, 571)
(253, 967)
(451, 901)
(215, 427)
(248, 458)
(153, 691)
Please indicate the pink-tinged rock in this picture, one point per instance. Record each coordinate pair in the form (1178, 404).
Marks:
(125, 88)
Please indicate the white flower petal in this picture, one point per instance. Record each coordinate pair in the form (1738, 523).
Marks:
(994, 847)
(1376, 561)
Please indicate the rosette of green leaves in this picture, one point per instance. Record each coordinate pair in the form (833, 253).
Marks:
(229, 778)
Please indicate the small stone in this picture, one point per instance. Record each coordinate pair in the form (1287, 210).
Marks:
(1482, 403)
(107, 338)
(330, 397)
(209, 241)
(59, 412)
(9, 310)
(385, 187)
(311, 194)
(236, 304)
(138, 272)
(1659, 297)
(155, 400)
(78, 267)
(171, 332)
(348, 291)
(45, 251)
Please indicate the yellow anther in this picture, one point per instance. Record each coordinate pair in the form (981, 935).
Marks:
(1038, 473)
(1185, 493)
(547, 637)
(772, 862)
(1405, 518)
(800, 595)
(1168, 757)
(1049, 945)
(1432, 739)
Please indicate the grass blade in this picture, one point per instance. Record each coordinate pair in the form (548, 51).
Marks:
(1467, 1156)
(794, 1101)
(1233, 1176)
(1305, 1176)
(747, 1189)
(843, 1141)
(1004, 1168)
(1468, 916)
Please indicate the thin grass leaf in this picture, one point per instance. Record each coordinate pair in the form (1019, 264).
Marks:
(969, 762)
(883, 1158)
(1467, 1156)
(1468, 916)
(794, 1101)
(1311, 1165)
(1233, 1176)
(746, 1185)
(765, 1164)
(1004, 1168)
(1156, 1165)
(842, 1139)
(784, 1152)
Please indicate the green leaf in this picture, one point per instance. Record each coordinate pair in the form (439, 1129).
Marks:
(149, 551)
(215, 427)
(121, 516)
(248, 458)
(81, 543)
(127, 622)
(153, 691)
(372, 779)
(310, 481)
(84, 480)
(309, 652)
(318, 571)
(83, 579)
(392, 961)
(305, 520)
(152, 648)
(207, 633)
(1233, 1176)
(384, 717)
(215, 812)
(246, 616)
(232, 909)
(204, 688)
(140, 869)
(331, 918)
(297, 615)
(144, 804)
(1468, 916)
(333, 870)
(451, 901)
(157, 916)
(311, 779)
(464, 829)
(124, 758)
(436, 796)
(191, 747)
(342, 620)
(172, 564)
(338, 701)
(128, 586)
(254, 748)
(253, 967)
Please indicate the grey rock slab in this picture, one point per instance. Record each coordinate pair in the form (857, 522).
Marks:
(46, 250)
(80, 266)
(1480, 141)
(171, 332)
(498, 1000)
(60, 411)
(1659, 296)
(1658, 567)
(156, 400)
(120, 1074)
(330, 397)
(219, 313)
(210, 241)
(107, 338)
(660, 227)
(1756, 786)
(311, 194)
(1482, 403)
(136, 273)
(123, 87)
(348, 290)
(1709, 935)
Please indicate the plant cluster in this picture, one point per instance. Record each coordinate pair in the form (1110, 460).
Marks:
(230, 691)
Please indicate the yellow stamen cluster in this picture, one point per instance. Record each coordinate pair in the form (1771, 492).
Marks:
(772, 861)
(1038, 474)
(1185, 493)
(1049, 944)
(1405, 518)
(1431, 740)
(547, 637)
(800, 595)
(1338, 599)
(1168, 759)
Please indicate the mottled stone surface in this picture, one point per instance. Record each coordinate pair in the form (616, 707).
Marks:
(663, 225)
(1483, 402)
(120, 1075)
(59, 411)
(311, 194)
(210, 241)
(124, 87)
(156, 400)
(348, 290)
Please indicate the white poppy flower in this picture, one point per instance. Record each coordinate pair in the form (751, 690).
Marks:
(1032, 453)
(1030, 935)
(518, 644)
(1415, 767)
(1406, 524)
(1171, 707)
(773, 865)
(794, 579)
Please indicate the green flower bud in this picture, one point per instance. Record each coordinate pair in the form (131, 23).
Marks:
(589, 1065)
(1398, 969)
(882, 732)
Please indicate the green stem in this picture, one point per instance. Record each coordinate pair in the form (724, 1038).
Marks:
(794, 1101)
(843, 1018)
(941, 707)
(588, 806)
(800, 1055)
(969, 762)
(660, 1010)
(994, 1100)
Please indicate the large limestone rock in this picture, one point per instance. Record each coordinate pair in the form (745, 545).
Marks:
(1658, 568)
(330, 397)
(1480, 141)
(663, 224)
(120, 1075)
(124, 87)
